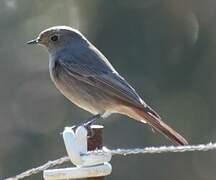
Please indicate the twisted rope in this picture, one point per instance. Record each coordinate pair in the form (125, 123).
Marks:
(124, 152)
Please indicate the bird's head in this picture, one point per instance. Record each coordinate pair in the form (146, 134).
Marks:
(57, 37)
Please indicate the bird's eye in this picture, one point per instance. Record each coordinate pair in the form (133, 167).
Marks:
(54, 38)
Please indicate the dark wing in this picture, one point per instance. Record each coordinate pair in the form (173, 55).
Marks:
(93, 68)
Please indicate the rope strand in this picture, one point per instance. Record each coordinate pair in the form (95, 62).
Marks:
(124, 152)
(165, 149)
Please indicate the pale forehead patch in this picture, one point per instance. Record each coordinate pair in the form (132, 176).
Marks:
(60, 28)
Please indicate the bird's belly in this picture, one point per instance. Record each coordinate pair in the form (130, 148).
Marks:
(82, 94)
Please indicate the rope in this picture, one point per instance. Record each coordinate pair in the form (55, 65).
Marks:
(39, 169)
(164, 149)
(124, 152)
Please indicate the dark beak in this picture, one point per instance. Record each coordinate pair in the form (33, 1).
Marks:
(34, 41)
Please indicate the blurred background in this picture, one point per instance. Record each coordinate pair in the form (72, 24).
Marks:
(164, 48)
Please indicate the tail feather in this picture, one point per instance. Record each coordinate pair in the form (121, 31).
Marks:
(161, 127)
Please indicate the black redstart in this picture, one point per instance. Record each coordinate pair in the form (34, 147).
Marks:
(85, 76)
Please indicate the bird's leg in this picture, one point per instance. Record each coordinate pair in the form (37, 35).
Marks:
(89, 121)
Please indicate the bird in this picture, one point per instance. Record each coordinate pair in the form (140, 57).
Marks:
(86, 77)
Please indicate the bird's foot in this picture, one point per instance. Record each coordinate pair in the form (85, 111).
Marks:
(89, 122)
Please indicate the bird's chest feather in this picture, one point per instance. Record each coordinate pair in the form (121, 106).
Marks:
(81, 94)
(63, 82)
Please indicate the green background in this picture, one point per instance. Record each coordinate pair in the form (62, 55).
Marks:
(165, 49)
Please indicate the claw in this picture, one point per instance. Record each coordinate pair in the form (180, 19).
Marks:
(89, 122)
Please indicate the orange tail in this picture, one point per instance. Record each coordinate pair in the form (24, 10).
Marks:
(160, 126)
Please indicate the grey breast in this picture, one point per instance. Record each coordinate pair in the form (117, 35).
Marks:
(80, 93)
